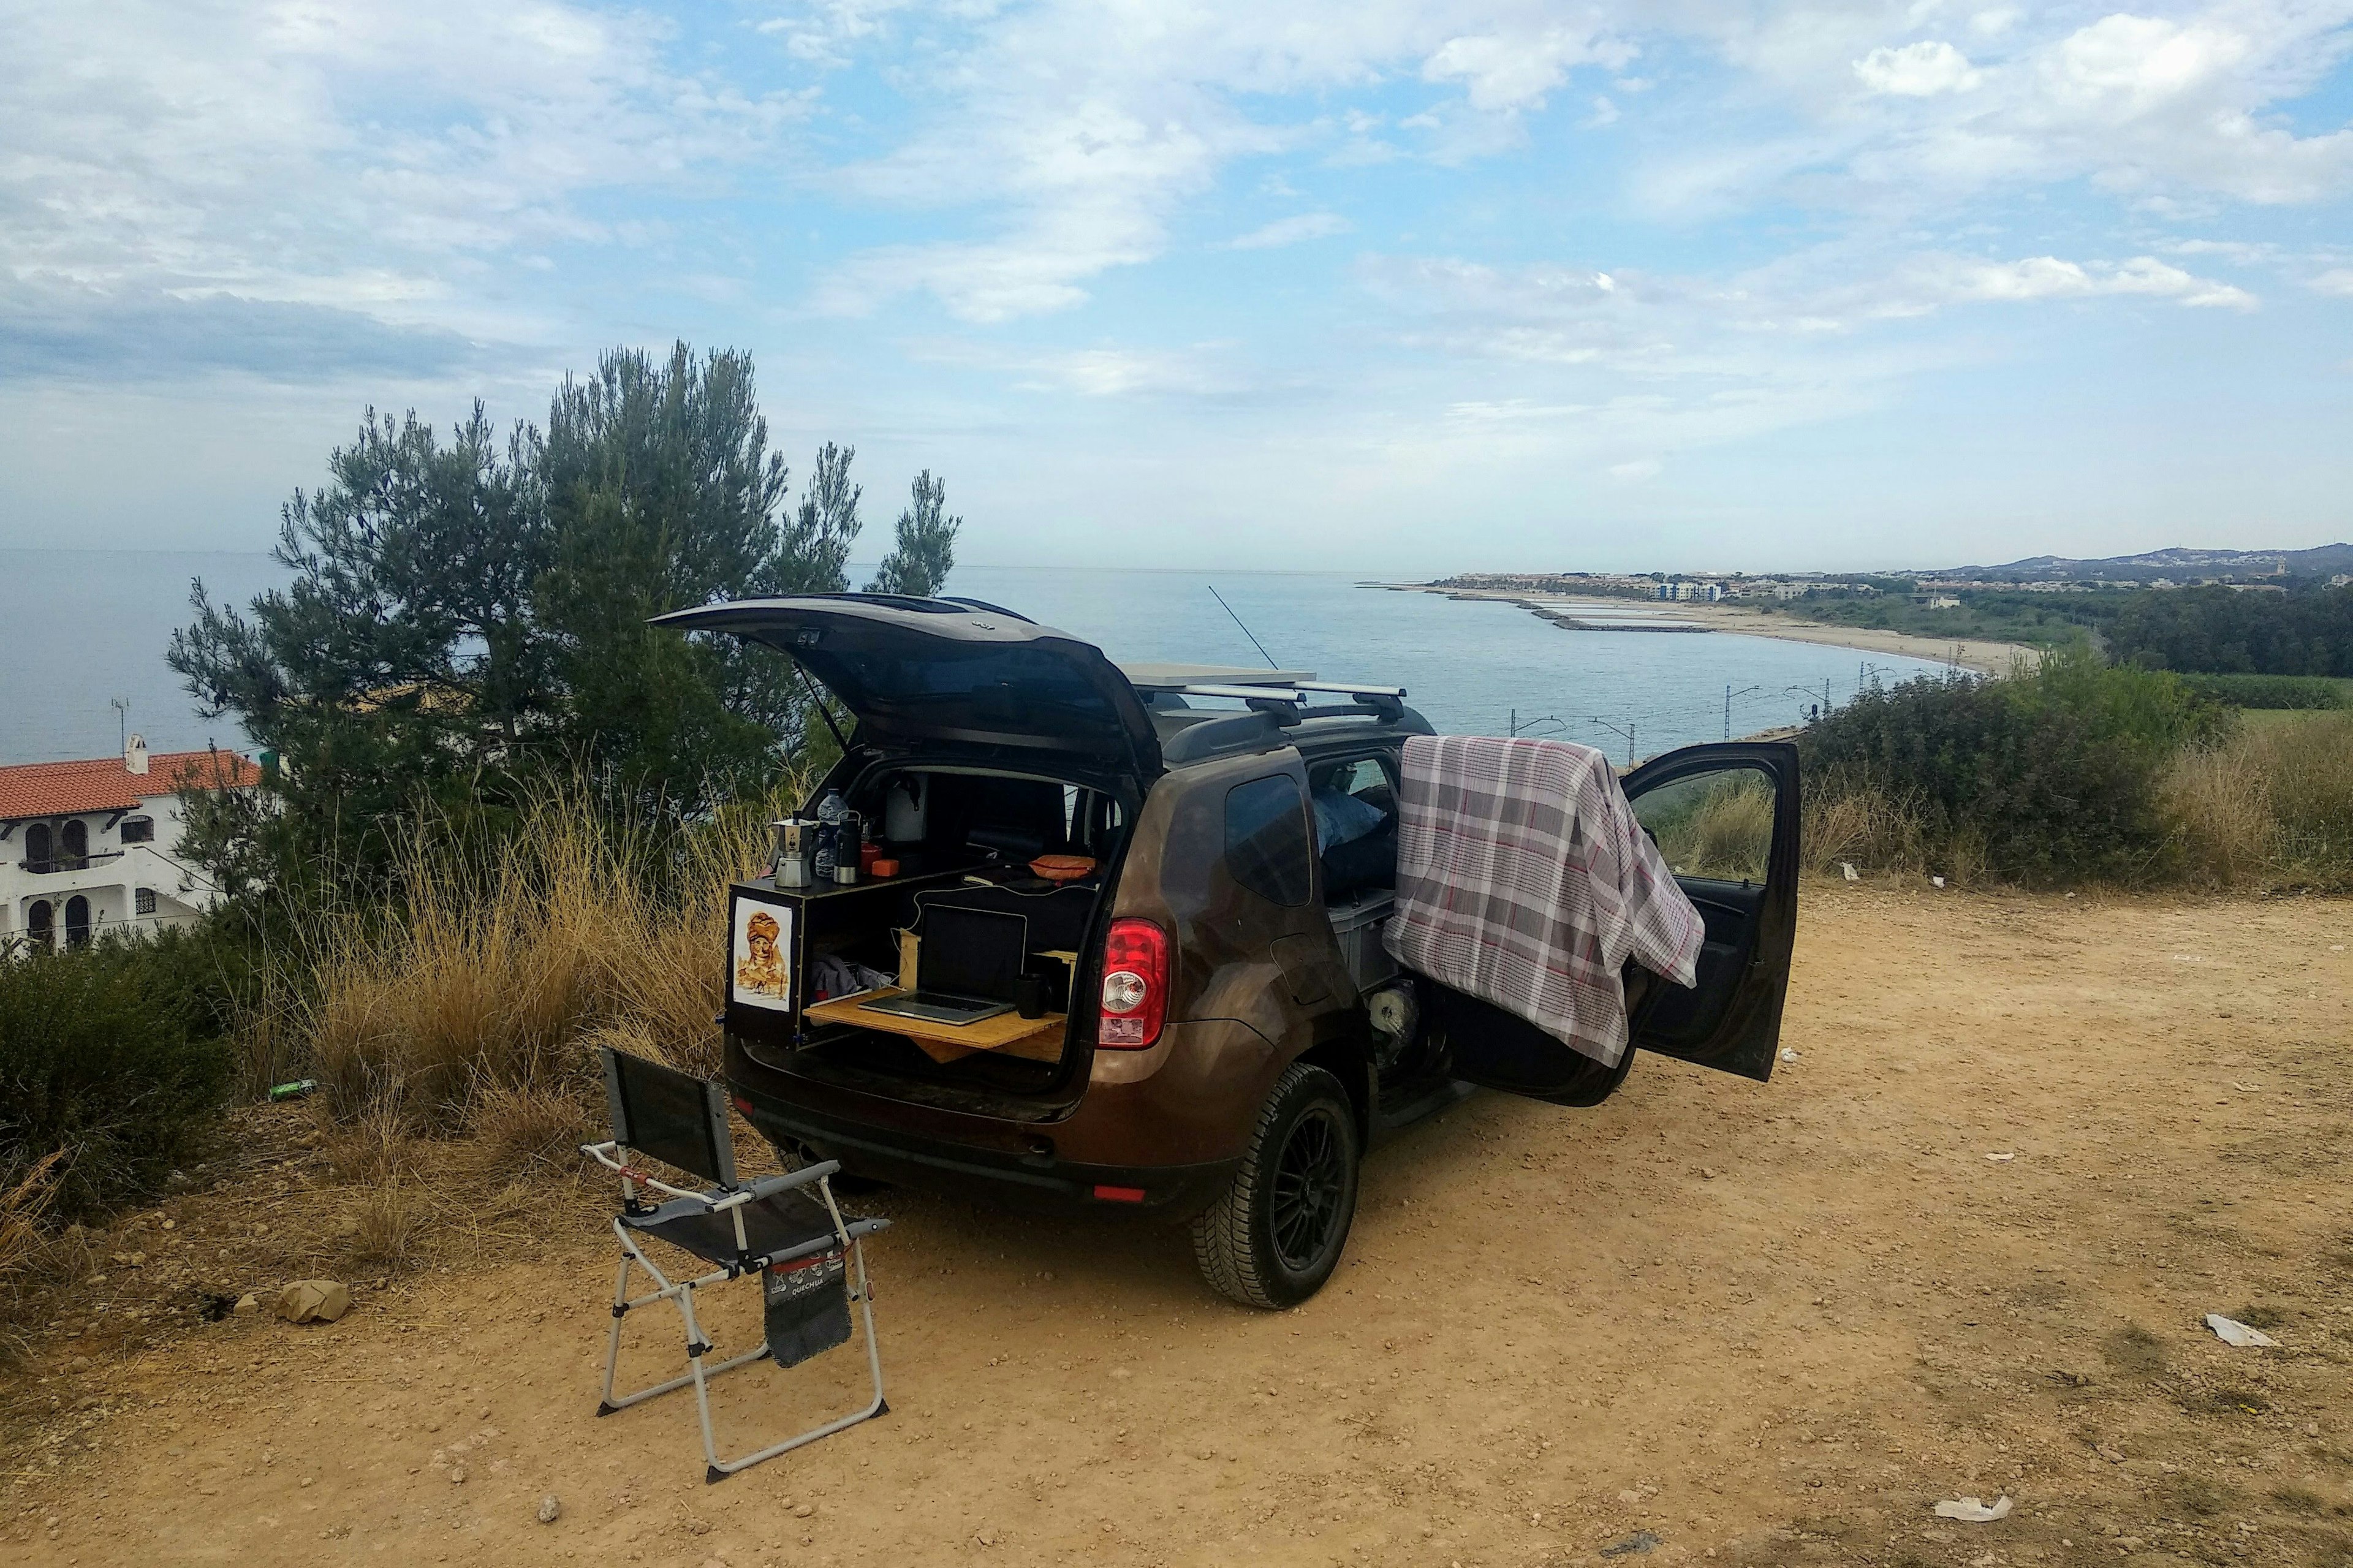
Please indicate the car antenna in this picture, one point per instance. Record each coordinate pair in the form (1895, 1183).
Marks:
(822, 712)
(1246, 631)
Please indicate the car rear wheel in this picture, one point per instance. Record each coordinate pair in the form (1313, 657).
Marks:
(1277, 1232)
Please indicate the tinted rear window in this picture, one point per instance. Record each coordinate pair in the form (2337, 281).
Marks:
(1266, 838)
(1016, 689)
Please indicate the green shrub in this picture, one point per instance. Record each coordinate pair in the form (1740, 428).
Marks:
(2050, 777)
(98, 1064)
(2269, 691)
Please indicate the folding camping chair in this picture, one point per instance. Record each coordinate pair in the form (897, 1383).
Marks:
(787, 1231)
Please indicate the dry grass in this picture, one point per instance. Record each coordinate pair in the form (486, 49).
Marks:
(479, 1010)
(524, 1131)
(25, 1197)
(392, 1225)
(1730, 834)
(2218, 802)
(2271, 806)
(1854, 819)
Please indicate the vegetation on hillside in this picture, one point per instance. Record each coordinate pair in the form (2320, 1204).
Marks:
(2044, 778)
(107, 1078)
(2034, 620)
(2273, 693)
(2083, 771)
(2308, 632)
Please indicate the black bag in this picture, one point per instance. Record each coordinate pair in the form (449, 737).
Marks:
(807, 1307)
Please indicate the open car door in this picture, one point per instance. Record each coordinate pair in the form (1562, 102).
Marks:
(1726, 819)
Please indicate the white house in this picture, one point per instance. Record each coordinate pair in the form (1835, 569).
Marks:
(89, 847)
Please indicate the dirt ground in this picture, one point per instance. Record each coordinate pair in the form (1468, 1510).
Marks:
(1960, 1246)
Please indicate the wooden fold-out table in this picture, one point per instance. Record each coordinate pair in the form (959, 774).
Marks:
(1038, 1039)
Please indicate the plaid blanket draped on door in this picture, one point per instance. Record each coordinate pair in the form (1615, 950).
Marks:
(1524, 879)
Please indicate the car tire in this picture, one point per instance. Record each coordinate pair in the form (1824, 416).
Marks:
(1275, 1236)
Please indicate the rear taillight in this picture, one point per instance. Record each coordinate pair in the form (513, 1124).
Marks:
(1134, 986)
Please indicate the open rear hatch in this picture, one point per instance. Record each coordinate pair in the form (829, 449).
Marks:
(919, 672)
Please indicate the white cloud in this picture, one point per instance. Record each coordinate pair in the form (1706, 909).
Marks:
(2167, 110)
(1636, 471)
(370, 162)
(1811, 318)
(1291, 231)
(2337, 280)
(1203, 370)
(1916, 70)
(1514, 70)
(2047, 277)
(827, 32)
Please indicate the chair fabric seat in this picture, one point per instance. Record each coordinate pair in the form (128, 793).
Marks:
(775, 1225)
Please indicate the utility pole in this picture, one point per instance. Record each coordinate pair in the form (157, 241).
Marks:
(1628, 731)
(1728, 695)
(122, 706)
(1516, 726)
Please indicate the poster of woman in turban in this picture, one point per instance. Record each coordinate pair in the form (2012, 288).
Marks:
(761, 950)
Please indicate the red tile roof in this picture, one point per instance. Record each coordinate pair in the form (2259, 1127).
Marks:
(103, 784)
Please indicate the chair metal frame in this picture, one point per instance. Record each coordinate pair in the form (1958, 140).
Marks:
(847, 1240)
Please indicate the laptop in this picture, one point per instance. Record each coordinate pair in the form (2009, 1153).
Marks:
(970, 967)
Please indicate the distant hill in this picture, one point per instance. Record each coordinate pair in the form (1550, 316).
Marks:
(2177, 564)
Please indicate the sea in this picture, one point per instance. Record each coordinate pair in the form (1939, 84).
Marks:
(83, 634)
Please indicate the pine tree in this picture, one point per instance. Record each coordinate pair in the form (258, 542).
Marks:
(920, 563)
(471, 615)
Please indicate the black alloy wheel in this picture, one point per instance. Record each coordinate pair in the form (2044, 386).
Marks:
(1311, 1178)
(1276, 1235)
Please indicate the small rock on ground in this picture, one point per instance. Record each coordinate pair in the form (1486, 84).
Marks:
(550, 1508)
(314, 1300)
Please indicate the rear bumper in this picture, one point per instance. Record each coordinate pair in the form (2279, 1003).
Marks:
(1037, 1178)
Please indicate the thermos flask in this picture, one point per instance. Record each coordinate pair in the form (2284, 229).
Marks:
(847, 848)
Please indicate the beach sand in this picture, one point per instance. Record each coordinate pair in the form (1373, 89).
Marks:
(1988, 658)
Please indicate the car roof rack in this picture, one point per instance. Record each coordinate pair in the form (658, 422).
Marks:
(1225, 680)
(1286, 700)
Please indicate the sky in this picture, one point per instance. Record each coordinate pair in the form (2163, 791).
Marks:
(1383, 286)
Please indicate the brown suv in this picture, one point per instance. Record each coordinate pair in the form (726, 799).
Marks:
(1215, 1032)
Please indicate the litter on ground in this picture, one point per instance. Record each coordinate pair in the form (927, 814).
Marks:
(2231, 1331)
(1846, 869)
(1970, 1510)
(2001, 1159)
